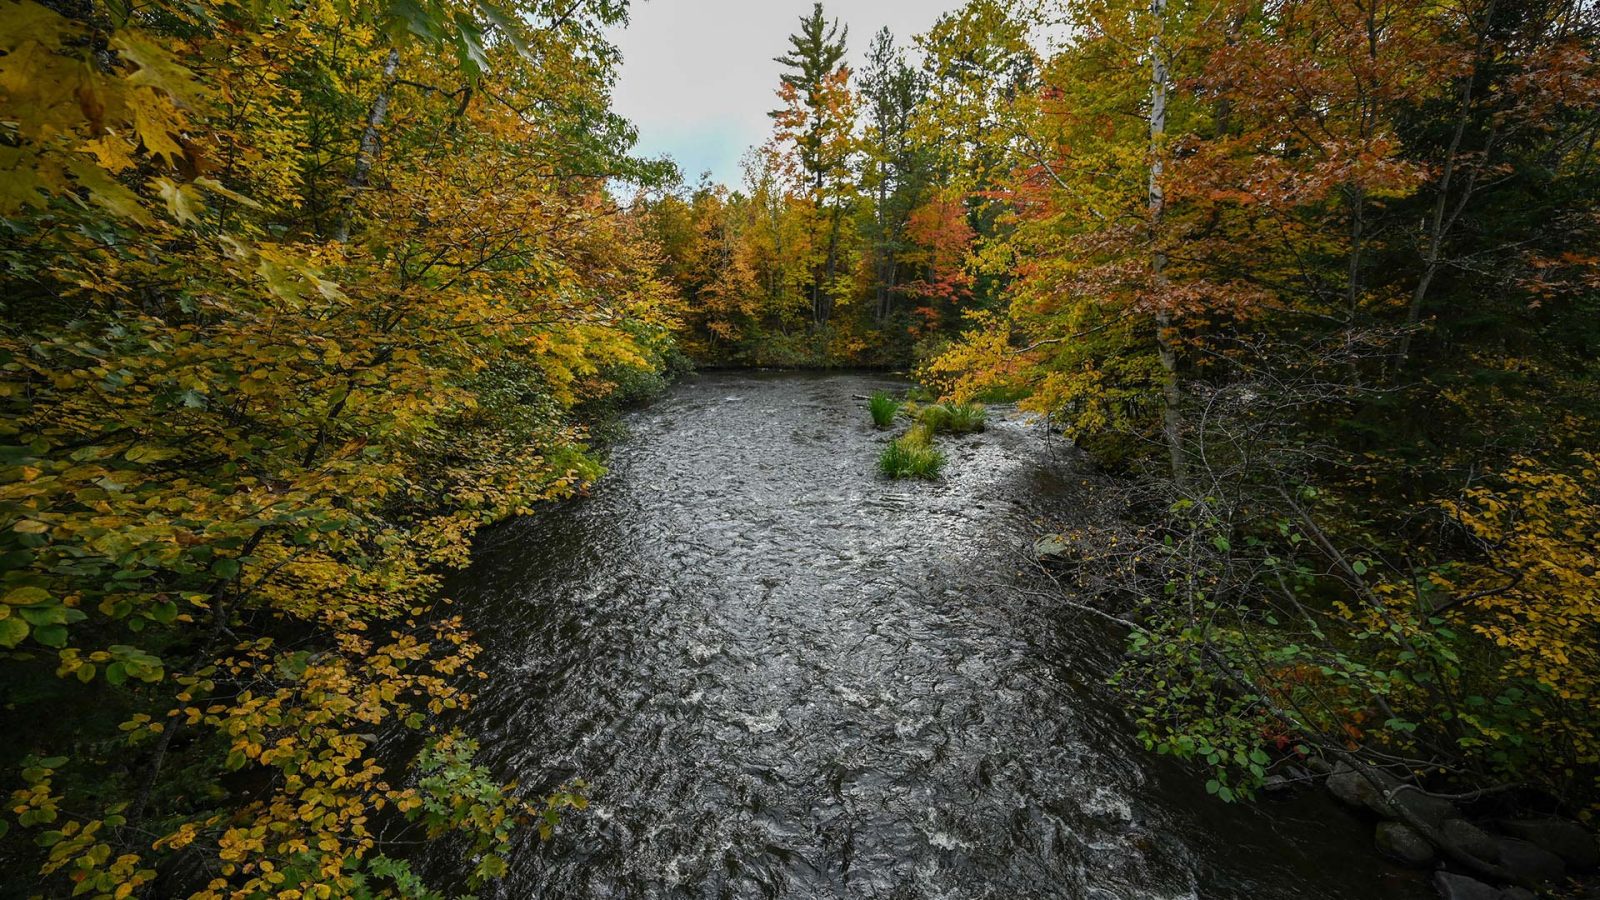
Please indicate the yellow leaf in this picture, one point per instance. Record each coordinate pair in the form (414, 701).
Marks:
(183, 201)
(158, 123)
(20, 184)
(158, 68)
(215, 187)
(28, 21)
(108, 192)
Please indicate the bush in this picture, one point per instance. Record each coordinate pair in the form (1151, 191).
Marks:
(954, 418)
(911, 456)
(884, 408)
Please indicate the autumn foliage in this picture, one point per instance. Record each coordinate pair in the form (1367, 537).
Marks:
(297, 298)
(300, 296)
(1311, 273)
(1317, 278)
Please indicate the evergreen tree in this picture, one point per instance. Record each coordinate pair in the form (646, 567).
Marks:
(818, 121)
(895, 169)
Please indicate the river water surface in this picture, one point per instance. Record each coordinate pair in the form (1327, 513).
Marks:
(783, 676)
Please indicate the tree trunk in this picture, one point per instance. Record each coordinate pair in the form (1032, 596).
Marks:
(1358, 227)
(833, 261)
(1166, 346)
(370, 143)
(1438, 224)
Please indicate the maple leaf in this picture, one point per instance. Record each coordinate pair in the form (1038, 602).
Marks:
(159, 69)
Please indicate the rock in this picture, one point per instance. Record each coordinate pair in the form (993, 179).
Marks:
(1052, 546)
(1462, 836)
(1426, 807)
(1401, 842)
(1353, 788)
(1518, 893)
(1286, 780)
(1530, 861)
(1568, 840)
(1459, 887)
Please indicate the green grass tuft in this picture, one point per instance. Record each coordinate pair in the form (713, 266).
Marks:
(884, 408)
(954, 418)
(911, 456)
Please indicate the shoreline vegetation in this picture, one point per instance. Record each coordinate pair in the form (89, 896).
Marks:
(299, 297)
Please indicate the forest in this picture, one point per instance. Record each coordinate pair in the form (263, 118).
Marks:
(300, 296)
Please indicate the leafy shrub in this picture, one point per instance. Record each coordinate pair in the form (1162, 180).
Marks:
(884, 408)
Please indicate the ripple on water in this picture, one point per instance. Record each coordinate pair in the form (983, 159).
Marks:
(783, 676)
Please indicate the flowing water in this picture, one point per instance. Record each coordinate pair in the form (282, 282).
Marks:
(783, 676)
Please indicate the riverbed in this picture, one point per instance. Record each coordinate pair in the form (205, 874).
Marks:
(782, 675)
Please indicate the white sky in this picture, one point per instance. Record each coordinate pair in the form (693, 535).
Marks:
(698, 77)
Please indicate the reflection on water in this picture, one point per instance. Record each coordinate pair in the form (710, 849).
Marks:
(783, 676)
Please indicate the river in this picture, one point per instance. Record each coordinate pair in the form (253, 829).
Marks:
(784, 676)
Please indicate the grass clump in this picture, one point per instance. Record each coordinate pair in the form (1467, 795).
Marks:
(954, 418)
(884, 408)
(911, 456)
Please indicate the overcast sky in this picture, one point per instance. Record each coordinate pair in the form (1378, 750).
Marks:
(698, 76)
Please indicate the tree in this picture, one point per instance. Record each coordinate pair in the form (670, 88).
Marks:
(896, 170)
(817, 123)
(1346, 565)
(263, 377)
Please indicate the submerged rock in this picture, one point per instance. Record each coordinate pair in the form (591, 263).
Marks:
(1402, 842)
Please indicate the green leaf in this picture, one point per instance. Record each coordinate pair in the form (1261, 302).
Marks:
(40, 616)
(469, 48)
(50, 635)
(25, 596)
(12, 631)
(507, 28)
